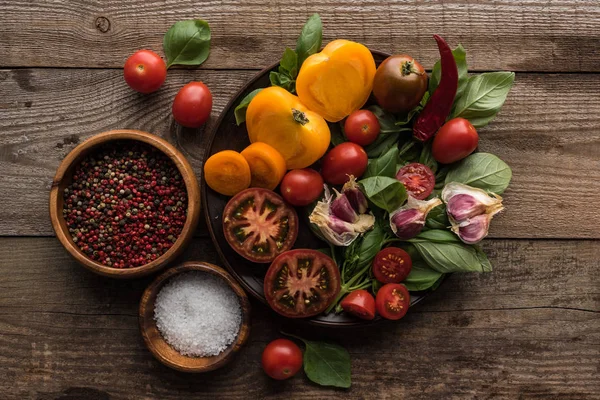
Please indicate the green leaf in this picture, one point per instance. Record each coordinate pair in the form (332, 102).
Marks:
(187, 43)
(282, 80)
(386, 193)
(450, 257)
(384, 165)
(426, 157)
(421, 277)
(407, 119)
(240, 110)
(327, 364)
(387, 121)
(410, 151)
(437, 218)
(370, 245)
(481, 170)
(382, 144)
(436, 236)
(310, 39)
(289, 62)
(483, 97)
(460, 56)
(337, 135)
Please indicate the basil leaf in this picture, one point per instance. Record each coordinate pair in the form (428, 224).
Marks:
(410, 152)
(484, 96)
(440, 177)
(337, 135)
(310, 39)
(481, 170)
(384, 165)
(327, 364)
(421, 277)
(483, 259)
(240, 110)
(289, 62)
(386, 193)
(382, 144)
(437, 218)
(282, 80)
(426, 157)
(451, 257)
(406, 120)
(387, 121)
(460, 56)
(370, 245)
(436, 236)
(187, 42)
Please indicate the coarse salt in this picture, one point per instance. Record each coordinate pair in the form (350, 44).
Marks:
(198, 314)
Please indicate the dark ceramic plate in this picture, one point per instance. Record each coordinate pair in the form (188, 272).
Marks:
(226, 135)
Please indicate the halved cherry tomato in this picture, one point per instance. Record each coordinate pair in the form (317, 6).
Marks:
(359, 303)
(392, 301)
(343, 160)
(227, 172)
(281, 359)
(267, 165)
(391, 265)
(259, 225)
(145, 71)
(300, 187)
(362, 127)
(455, 140)
(301, 283)
(418, 179)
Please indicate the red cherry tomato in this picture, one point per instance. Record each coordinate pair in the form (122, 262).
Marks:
(145, 71)
(418, 180)
(281, 359)
(300, 187)
(392, 301)
(362, 127)
(343, 160)
(359, 303)
(391, 265)
(192, 105)
(455, 140)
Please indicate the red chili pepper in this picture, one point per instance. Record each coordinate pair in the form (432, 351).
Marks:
(439, 105)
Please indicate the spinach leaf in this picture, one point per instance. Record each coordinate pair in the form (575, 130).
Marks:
(240, 110)
(450, 257)
(386, 193)
(483, 97)
(437, 218)
(426, 157)
(460, 56)
(421, 277)
(481, 170)
(187, 42)
(310, 39)
(384, 165)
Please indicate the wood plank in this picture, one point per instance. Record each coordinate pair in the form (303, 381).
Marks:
(551, 145)
(529, 330)
(531, 35)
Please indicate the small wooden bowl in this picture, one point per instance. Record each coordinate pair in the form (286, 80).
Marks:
(167, 354)
(63, 178)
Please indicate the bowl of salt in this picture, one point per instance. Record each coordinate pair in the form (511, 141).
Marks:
(194, 317)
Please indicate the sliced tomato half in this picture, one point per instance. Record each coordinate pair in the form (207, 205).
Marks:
(302, 283)
(259, 225)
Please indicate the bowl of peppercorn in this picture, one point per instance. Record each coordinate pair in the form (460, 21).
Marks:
(124, 203)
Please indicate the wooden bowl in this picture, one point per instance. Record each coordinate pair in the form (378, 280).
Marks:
(167, 354)
(63, 178)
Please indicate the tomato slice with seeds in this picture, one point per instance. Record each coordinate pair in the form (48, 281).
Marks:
(259, 225)
(391, 265)
(418, 179)
(359, 303)
(301, 283)
(392, 301)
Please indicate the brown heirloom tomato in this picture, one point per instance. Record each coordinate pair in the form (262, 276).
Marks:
(302, 283)
(392, 301)
(391, 265)
(259, 225)
(400, 83)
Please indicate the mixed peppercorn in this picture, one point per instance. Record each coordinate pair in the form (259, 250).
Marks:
(126, 204)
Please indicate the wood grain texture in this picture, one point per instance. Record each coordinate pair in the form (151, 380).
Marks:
(528, 330)
(529, 35)
(546, 131)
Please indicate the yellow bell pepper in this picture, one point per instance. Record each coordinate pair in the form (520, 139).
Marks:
(338, 80)
(278, 118)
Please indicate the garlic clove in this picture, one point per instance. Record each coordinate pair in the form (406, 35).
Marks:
(341, 208)
(355, 195)
(474, 229)
(408, 221)
(463, 201)
(463, 206)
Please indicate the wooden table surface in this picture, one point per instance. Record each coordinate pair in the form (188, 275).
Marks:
(530, 329)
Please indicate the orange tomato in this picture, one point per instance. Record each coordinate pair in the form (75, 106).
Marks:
(267, 166)
(227, 172)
